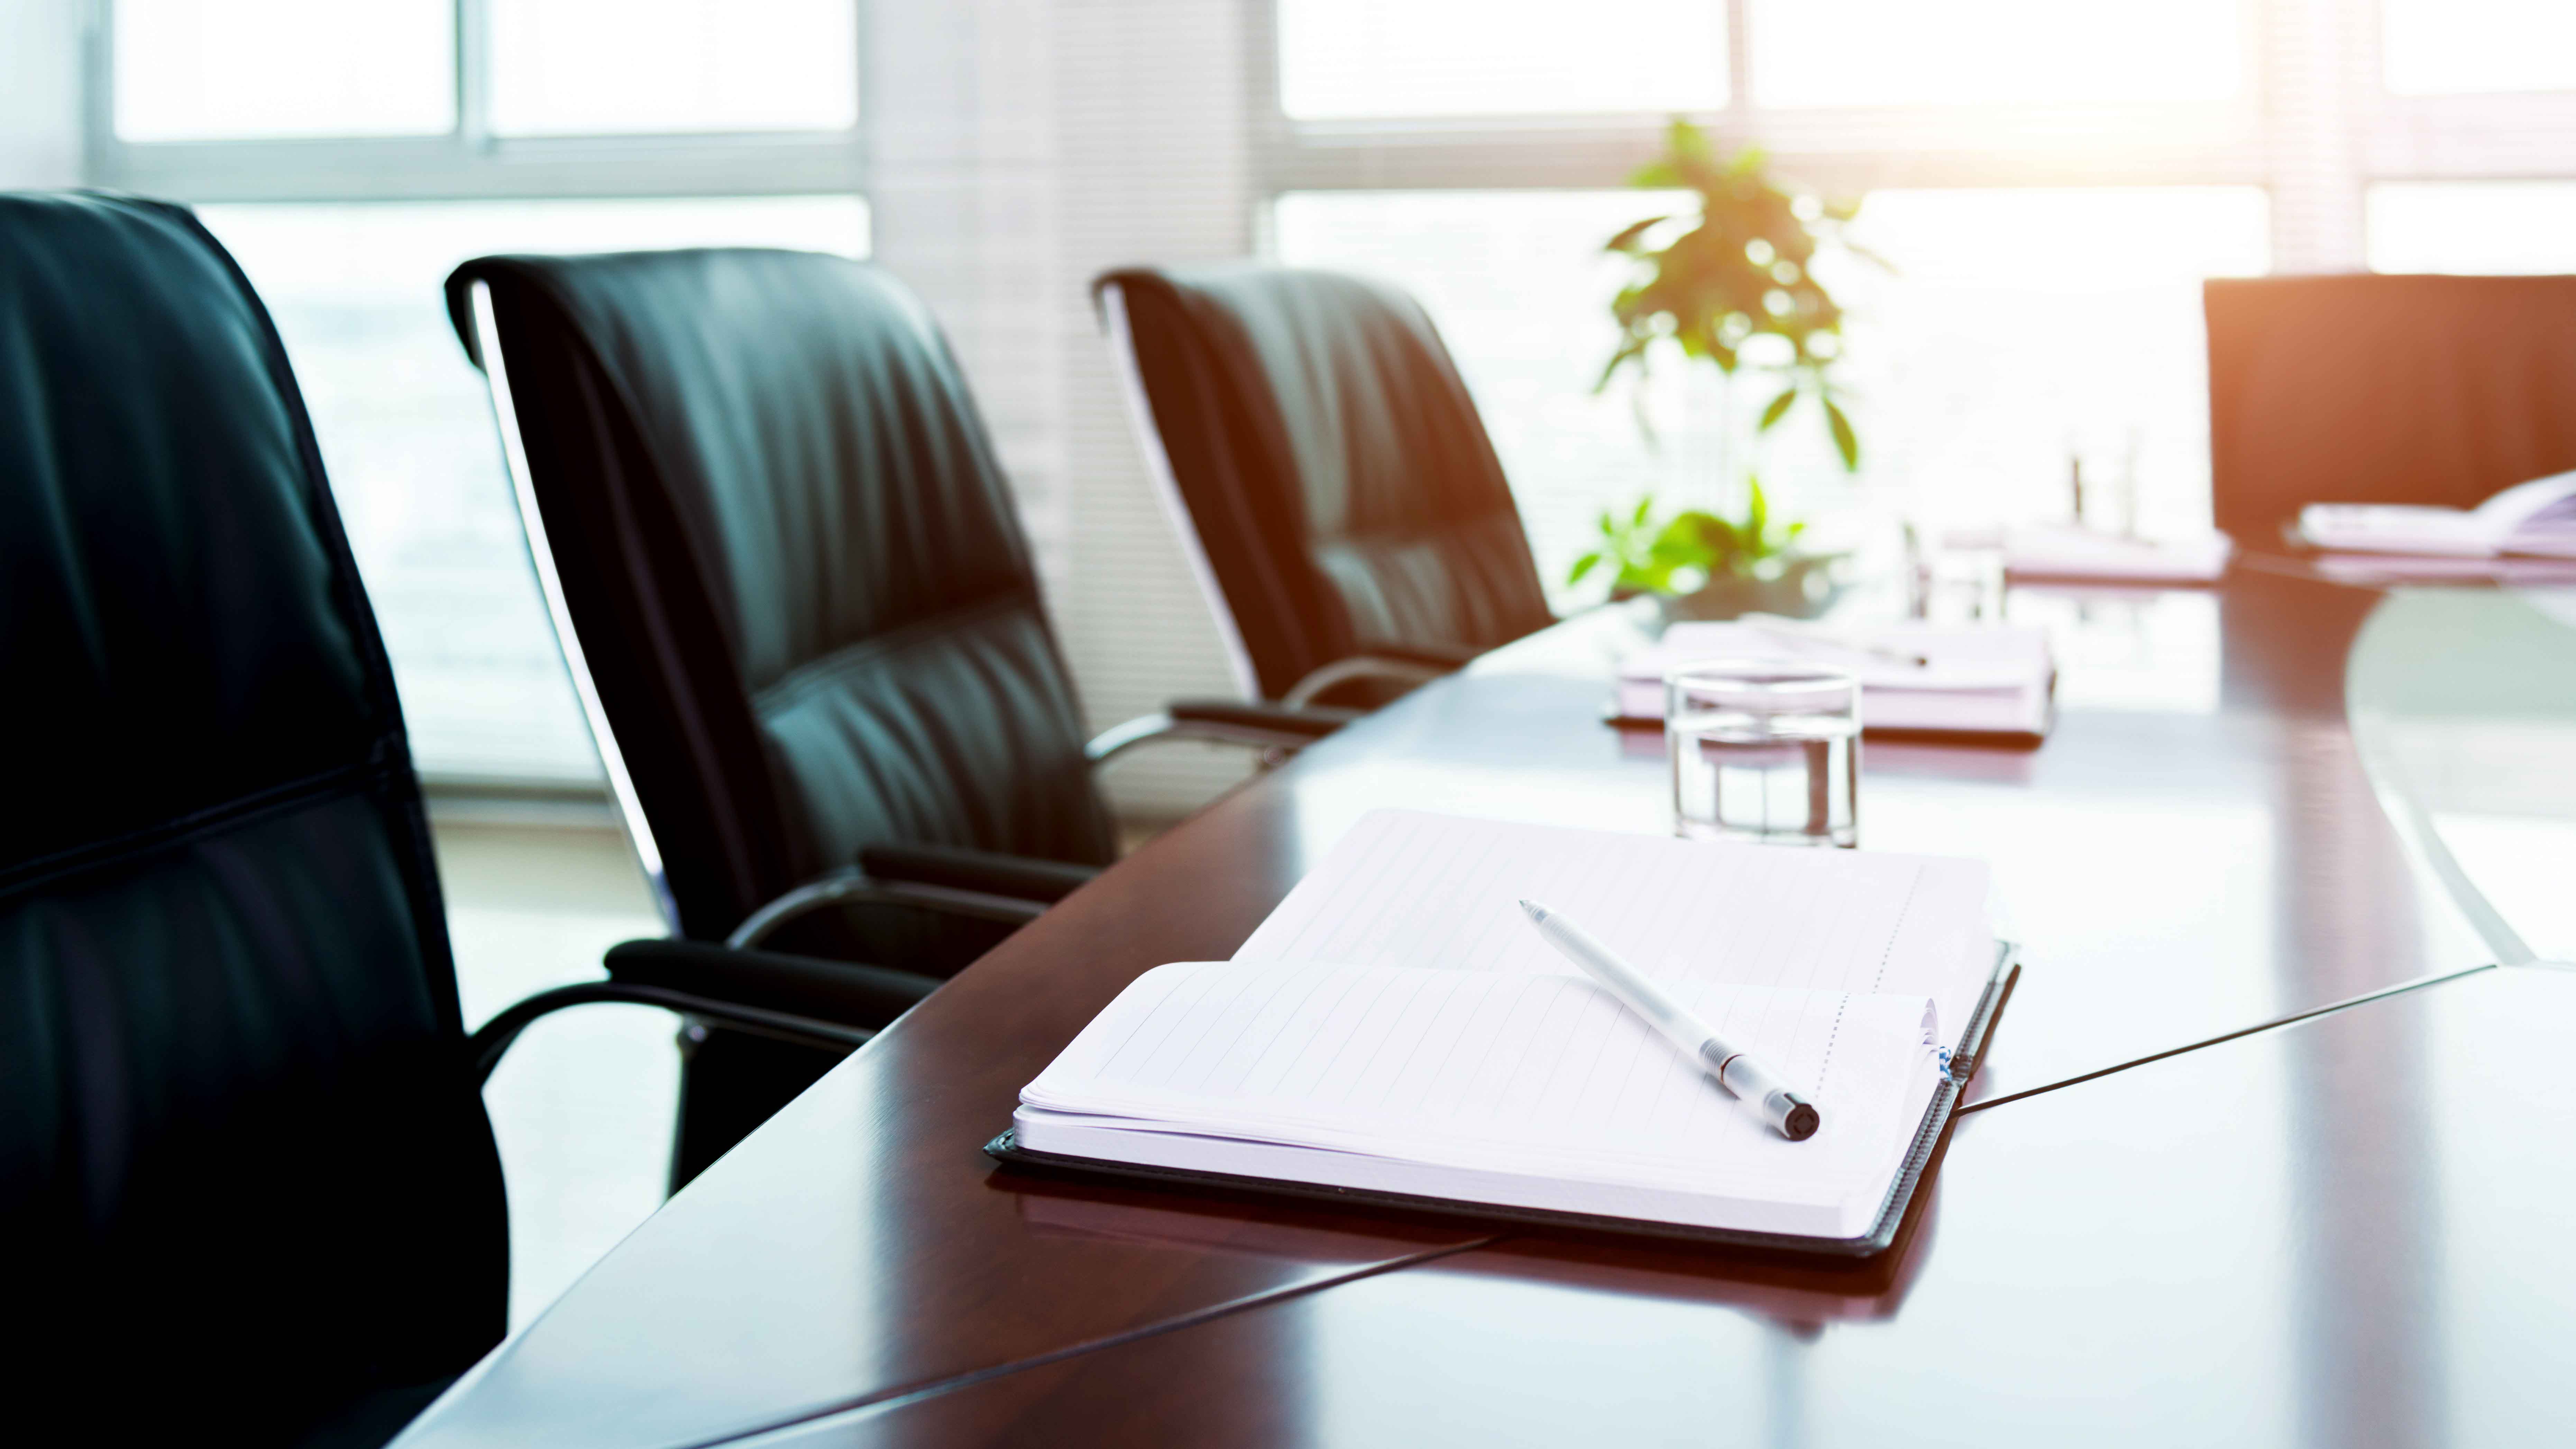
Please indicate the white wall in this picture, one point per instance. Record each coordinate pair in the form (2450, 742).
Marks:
(40, 51)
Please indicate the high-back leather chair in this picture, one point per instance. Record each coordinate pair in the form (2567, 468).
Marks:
(243, 1142)
(2384, 389)
(246, 1180)
(790, 581)
(791, 565)
(1328, 471)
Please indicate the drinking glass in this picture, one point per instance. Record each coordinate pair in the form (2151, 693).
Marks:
(1763, 750)
(1958, 586)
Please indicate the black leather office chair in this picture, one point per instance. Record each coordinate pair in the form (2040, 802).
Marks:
(246, 1181)
(2384, 389)
(791, 581)
(1326, 466)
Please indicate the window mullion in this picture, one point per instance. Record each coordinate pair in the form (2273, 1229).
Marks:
(1739, 69)
(2315, 81)
(474, 76)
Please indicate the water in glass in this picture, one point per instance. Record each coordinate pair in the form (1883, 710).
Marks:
(1765, 752)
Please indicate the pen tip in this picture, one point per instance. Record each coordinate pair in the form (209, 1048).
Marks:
(1536, 911)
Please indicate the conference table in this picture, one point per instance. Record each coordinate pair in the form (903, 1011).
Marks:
(2149, 1225)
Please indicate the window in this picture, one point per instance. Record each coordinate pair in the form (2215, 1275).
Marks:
(1989, 52)
(1344, 58)
(2053, 182)
(350, 162)
(407, 436)
(595, 67)
(2439, 47)
(2473, 226)
(1980, 368)
(197, 70)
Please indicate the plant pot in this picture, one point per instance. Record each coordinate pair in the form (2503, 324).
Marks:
(1802, 590)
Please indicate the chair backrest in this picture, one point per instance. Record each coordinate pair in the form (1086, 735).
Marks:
(244, 1172)
(790, 562)
(2384, 389)
(1341, 489)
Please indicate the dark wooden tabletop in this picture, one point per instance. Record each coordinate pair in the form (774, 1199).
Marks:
(2356, 1230)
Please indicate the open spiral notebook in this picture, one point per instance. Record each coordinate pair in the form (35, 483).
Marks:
(1397, 1031)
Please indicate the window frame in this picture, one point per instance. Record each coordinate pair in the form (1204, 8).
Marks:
(2314, 126)
(470, 162)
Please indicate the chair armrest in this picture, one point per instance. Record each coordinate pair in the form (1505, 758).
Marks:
(1312, 722)
(1255, 725)
(1363, 666)
(1447, 658)
(854, 887)
(987, 872)
(485, 1047)
(843, 992)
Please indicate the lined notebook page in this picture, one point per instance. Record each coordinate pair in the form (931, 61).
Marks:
(1406, 888)
(1546, 1075)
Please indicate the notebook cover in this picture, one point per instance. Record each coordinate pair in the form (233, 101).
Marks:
(1880, 1238)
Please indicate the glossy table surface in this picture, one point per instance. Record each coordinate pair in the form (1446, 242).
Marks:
(2354, 1230)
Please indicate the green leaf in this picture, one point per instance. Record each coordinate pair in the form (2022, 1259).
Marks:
(1757, 516)
(1628, 236)
(1685, 141)
(1778, 409)
(1846, 442)
(1582, 566)
(1645, 506)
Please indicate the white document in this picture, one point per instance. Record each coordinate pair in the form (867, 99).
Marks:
(1974, 680)
(1413, 888)
(2059, 551)
(2538, 517)
(1396, 1025)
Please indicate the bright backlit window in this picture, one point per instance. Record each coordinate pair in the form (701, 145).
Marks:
(2023, 328)
(1342, 58)
(421, 133)
(408, 436)
(207, 70)
(2437, 47)
(2473, 227)
(1901, 52)
(592, 67)
(2026, 328)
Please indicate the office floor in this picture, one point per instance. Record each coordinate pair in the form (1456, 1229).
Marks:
(582, 1105)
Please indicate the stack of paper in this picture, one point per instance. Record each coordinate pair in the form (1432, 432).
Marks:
(2538, 518)
(1913, 676)
(2059, 551)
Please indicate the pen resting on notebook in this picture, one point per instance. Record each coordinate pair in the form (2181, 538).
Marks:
(1743, 1077)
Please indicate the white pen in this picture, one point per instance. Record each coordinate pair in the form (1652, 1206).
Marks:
(1744, 1078)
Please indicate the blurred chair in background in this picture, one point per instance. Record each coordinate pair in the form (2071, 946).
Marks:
(245, 1170)
(789, 576)
(1326, 469)
(2384, 389)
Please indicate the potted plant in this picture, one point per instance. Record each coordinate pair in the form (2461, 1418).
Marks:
(1708, 567)
(1733, 286)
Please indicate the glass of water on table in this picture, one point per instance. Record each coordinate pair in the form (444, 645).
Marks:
(1763, 750)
